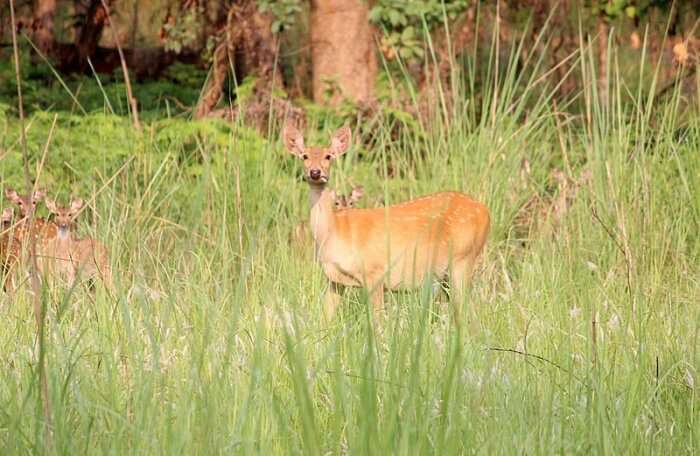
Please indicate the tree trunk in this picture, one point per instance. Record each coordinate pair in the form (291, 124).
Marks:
(343, 60)
(44, 11)
(90, 33)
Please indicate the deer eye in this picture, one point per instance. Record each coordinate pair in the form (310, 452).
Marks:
(328, 157)
(304, 157)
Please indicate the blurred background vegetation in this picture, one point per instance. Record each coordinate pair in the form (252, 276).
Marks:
(376, 65)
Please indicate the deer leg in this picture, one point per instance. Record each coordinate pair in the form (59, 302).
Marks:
(8, 280)
(107, 279)
(376, 297)
(331, 300)
(460, 277)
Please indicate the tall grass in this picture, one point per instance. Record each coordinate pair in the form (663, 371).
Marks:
(586, 337)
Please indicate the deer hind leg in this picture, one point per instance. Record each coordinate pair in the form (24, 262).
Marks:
(331, 300)
(376, 297)
(107, 279)
(460, 278)
(8, 277)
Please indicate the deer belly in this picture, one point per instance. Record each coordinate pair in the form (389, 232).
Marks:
(412, 266)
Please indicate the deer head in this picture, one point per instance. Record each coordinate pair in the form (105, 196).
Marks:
(347, 202)
(64, 216)
(6, 218)
(27, 203)
(317, 160)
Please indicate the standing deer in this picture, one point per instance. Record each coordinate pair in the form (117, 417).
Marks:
(77, 257)
(9, 250)
(42, 231)
(397, 246)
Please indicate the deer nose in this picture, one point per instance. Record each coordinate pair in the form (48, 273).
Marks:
(315, 174)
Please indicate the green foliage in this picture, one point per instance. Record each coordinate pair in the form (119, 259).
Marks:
(283, 11)
(176, 90)
(406, 22)
(632, 9)
(182, 31)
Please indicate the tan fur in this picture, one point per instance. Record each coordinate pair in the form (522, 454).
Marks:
(301, 235)
(77, 258)
(27, 227)
(398, 246)
(10, 251)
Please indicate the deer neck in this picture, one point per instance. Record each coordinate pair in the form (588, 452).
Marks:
(322, 221)
(63, 235)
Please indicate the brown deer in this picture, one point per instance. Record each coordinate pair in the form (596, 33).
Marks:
(71, 257)
(9, 250)
(398, 246)
(29, 226)
(42, 229)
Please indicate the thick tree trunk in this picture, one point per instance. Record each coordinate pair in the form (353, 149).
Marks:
(343, 57)
(44, 11)
(87, 39)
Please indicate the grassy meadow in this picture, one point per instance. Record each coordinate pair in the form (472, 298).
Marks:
(587, 324)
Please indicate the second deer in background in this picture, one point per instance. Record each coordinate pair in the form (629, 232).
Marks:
(74, 258)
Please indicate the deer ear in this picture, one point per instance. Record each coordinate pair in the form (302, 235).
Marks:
(340, 141)
(293, 140)
(12, 195)
(76, 204)
(51, 204)
(38, 195)
(357, 193)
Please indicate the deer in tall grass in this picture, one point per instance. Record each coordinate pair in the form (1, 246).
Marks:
(9, 250)
(399, 246)
(42, 230)
(31, 228)
(72, 257)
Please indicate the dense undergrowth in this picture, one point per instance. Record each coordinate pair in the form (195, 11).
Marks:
(586, 336)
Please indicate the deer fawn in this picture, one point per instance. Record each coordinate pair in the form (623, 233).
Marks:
(9, 250)
(397, 246)
(73, 257)
(42, 230)
(30, 226)
(300, 235)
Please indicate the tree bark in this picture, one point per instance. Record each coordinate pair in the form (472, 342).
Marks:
(90, 33)
(44, 11)
(343, 57)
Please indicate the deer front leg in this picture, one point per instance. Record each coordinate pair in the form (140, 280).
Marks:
(461, 274)
(331, 300)
(376, 297)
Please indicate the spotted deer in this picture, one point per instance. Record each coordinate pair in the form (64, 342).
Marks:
(42, 231)
(73, 258)
(9, 250)
(392, 247)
